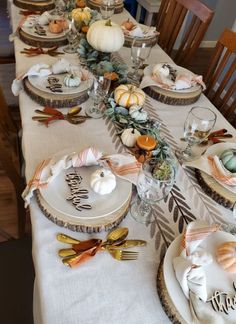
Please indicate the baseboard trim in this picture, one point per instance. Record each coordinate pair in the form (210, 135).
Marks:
(208, 44)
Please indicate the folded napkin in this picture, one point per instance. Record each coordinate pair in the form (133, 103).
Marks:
(213, 167)
(189, 270)
(43, 70)
(165, 81)
(137, 31)
(123, 165)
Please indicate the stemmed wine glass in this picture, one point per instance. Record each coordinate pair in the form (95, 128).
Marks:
(59, 8)
(98, 92)
(198, 124)
(140, 51)
(72, 36)
(150, 191)
(107, 8)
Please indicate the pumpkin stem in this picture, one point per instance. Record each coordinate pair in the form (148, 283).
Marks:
(102, 174)
(108, 23)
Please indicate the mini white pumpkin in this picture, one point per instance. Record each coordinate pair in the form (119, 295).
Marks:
(127, 95)
(129, 137)
(137, 113)
(72, 80)
(103, 181)
(105, 36)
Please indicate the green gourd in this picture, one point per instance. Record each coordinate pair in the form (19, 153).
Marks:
(228, 159)
(72, 81)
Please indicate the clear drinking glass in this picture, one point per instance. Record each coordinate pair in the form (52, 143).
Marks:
(198, 124)
(72, 37)
(59, 8)
(98, 92)
(107, 8)
(140, 51)
(150, 191)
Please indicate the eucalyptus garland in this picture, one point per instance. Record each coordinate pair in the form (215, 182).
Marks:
(122, 120)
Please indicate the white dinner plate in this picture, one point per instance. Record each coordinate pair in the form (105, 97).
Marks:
(41, 83)
(180, 70)
(49, 35)
(102, 205)
(216, 278)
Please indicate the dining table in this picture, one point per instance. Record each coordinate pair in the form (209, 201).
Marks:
(105, 290)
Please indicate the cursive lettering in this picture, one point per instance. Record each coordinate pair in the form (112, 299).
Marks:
(222, 302)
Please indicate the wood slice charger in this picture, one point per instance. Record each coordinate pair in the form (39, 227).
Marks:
(173, 97)
(54, 100)
(42, 42)
(104, 224)
(95, 4)
(215, 190)
(165, 299)
(42, 5)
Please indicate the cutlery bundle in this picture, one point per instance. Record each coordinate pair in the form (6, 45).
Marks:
(82, 251)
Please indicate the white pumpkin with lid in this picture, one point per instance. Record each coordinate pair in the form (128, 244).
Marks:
(103, 181)
(105, 36)
(127, 95)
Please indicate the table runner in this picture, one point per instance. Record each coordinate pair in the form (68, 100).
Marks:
(105, 290)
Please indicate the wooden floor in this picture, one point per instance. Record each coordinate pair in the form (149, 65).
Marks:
(8, 212)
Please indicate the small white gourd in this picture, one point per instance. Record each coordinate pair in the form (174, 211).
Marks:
(72, 81)
(137, 113)
(129, 137)
(103, 181)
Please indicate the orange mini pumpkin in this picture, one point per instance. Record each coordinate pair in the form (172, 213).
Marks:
(85, 29)
(80, 4)
(55, 27)
(226, 256)
(128, 24)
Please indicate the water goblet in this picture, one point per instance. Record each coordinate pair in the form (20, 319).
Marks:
(59, 8)
(98, 92)
(140, 51)
(107, 8)
(72, 37)
(198, 124)
(150, 190)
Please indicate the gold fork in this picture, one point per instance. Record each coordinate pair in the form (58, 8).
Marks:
(123, 255)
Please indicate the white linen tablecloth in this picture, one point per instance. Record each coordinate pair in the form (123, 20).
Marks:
(104, 290)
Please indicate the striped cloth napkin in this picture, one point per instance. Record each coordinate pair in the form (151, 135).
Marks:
(189, 271)
(220, 173)
(123, 165)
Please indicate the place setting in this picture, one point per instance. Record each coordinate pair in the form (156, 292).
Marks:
(196, 279)
(172, 84)
(35, 5)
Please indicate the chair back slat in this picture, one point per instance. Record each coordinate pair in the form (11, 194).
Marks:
(10, 159)
(170, 21)
(221, 75)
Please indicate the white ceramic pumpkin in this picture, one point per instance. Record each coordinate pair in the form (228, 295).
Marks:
(129, 137)
(137, 113)
(103, 181)
(127, 95)
(72, 81)
(105, 36)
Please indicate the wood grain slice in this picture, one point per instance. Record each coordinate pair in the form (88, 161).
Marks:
(42, 42)
(173, 97)
(54, 100)
(215, 190)
(165, 299)
(34, 5)
(95, 4)
(79, 225)
(150, 41)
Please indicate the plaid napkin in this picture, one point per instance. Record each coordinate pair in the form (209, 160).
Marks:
(189, 270)
(220, 173)
(123, 165)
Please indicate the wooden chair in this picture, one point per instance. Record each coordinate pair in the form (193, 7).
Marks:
(16, 281)
(170, 20)
(220, 78)
(10, 159)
